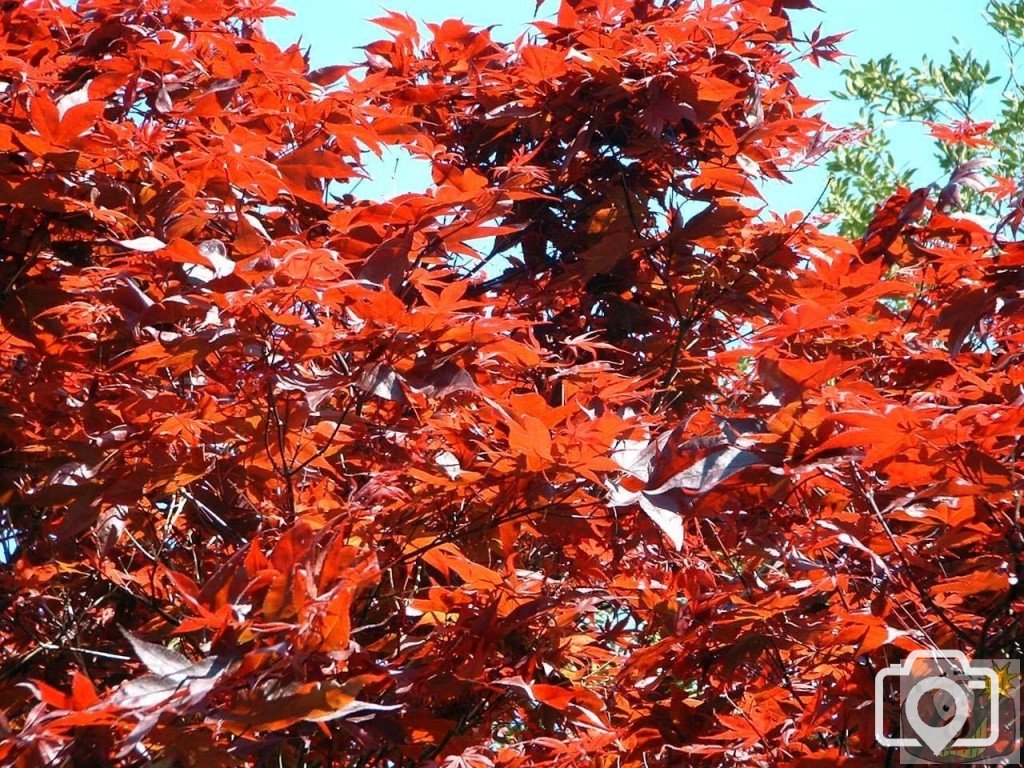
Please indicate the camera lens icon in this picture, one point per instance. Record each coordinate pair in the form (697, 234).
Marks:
(937, 710)
(939, 691)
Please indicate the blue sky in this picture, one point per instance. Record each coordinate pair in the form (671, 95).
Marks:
(906, 28)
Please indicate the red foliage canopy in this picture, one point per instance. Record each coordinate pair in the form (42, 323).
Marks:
(286, 480)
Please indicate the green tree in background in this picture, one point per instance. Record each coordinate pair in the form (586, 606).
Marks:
(971, 105)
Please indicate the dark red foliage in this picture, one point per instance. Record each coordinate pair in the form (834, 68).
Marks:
(287, 480)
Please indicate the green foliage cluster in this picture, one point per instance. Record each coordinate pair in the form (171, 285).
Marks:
(965, 88)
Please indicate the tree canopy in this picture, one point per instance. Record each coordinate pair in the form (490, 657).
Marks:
(967, 105)
(578, 457)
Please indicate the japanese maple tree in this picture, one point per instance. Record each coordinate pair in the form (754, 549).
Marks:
(579, 457)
